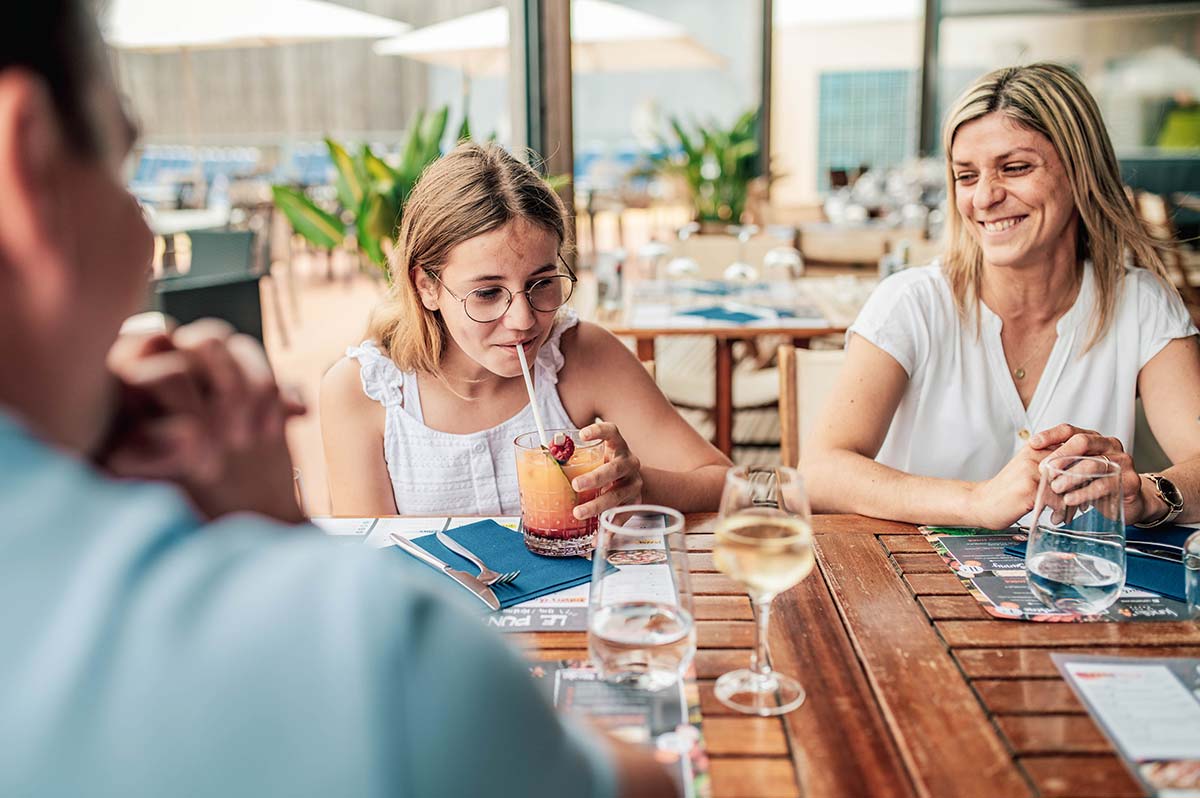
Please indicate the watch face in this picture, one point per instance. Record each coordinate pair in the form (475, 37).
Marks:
(1170, 493)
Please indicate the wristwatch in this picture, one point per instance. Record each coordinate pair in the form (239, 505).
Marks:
(1170, 495)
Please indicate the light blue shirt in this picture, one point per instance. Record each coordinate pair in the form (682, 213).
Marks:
(144, 653)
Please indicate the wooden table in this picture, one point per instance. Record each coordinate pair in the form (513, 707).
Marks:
(912, 689)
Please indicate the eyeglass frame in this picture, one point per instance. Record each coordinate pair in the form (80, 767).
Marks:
(570, 275)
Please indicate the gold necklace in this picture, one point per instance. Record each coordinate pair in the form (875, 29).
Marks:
(1019, 372)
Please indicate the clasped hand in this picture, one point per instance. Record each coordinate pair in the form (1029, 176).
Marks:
(1005, 498)
(199, 406)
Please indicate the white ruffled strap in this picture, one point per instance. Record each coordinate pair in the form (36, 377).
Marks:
(550, 357)
(381, 379)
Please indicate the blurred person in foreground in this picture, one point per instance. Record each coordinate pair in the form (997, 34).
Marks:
(1049, 315)
(157, 638)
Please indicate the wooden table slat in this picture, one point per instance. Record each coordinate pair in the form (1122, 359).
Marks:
(944, 584)
(953, 608)
(709, 634)
(890, 637)
(906, 544)
(1028, 696)
(1053, 734)
(743, 734)
(929, 563)
(1081, 777)
(723, 608)
(757, 777)
(999, 633)
(1026, 663)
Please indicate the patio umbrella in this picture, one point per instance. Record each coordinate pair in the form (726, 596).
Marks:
(149, 26)
(605, 37)
(164, 26)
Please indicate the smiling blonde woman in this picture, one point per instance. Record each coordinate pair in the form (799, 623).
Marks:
(1048, 316)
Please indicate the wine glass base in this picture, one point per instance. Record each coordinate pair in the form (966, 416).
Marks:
(747, 691)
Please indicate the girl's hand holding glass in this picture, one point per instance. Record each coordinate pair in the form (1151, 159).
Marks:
(620, 478)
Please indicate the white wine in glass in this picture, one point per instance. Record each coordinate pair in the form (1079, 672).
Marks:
(764, 541)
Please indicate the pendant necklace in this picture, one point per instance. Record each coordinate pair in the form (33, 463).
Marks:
(1019, 372)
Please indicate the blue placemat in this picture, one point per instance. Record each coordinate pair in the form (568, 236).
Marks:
(504, 550)
(1148, 573)
(721, 314)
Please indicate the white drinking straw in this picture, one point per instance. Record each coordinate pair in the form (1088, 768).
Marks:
(537, 416)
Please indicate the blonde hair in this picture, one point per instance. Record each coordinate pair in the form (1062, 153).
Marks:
(1051, 100)
(472, 190)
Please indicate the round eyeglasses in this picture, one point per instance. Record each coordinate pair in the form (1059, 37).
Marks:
(491, 302)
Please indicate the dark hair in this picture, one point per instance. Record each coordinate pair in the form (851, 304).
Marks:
(58, 41)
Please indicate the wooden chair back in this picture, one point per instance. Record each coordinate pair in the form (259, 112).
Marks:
(806, 378)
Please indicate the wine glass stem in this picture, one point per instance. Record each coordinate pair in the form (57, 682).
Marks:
(758, 659)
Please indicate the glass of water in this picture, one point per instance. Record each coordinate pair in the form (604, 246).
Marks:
(1191, 573)
(1075, 559)
(640, 627)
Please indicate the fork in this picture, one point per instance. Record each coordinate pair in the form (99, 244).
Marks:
(486, 575)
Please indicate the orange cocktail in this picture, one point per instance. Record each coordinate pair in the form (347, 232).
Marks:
(547, 499)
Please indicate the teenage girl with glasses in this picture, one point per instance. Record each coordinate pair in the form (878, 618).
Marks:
(420, 418)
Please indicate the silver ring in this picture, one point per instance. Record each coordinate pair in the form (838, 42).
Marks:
(1110, 462)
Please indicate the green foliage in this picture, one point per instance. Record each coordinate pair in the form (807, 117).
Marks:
(370, 192)
(717, 165)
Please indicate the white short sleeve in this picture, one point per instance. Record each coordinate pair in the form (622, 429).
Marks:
(896, 317)
(1162, 314)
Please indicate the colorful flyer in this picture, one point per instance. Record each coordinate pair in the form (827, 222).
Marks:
(997, 580)
(668, 720)
(1150, 710)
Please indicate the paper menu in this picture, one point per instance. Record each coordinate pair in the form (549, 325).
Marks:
(344, 526)
(1150, 709)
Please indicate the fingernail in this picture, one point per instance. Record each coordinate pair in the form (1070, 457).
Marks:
(578, 513)
(577, 484)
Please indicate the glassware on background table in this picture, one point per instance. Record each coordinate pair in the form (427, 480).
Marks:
(1075, 558)
(640, 627)
(764, 541)
(1191, 573)
(547, 498)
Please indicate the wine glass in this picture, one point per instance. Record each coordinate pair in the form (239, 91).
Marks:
(763, 540)
(640, 622)
(1075, 559)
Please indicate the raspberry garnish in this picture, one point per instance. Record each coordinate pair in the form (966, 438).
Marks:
(561, 448)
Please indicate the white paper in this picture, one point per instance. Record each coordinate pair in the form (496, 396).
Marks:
(1146, 709)
(344, 526)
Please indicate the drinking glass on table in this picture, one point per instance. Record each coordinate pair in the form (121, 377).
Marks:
(764, 541)
(547, 499)
(1075, 558)
(640, 627)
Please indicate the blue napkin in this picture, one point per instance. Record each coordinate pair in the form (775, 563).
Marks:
(504, 550)
(1148, 573)
(722, 314)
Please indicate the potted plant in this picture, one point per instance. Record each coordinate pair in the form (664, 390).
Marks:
(718, 165)
(370, 192)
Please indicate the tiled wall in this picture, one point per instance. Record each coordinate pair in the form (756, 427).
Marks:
(865, 118)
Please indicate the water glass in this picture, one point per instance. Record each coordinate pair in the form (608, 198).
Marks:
(1075, 560)
(640, 623)
(1191, 572)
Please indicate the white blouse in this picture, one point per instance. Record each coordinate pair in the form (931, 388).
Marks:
(439, 473)
(961, 417)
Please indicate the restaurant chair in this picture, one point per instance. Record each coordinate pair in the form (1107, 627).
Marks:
(221, 252)
(232, 297)
(1183, 264)
(806, 379)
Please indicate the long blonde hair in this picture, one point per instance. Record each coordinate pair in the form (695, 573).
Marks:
(1051, 100)
(473, 189)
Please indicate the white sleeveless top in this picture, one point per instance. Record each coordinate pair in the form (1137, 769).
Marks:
(443, 473)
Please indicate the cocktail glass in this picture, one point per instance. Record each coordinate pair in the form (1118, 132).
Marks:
(547, 498)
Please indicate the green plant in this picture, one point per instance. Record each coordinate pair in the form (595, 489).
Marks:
(370, 192)
(718, 165)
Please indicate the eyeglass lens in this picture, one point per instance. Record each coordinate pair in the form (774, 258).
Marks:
(491, 302)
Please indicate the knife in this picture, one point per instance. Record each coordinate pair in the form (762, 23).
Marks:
(481, 591)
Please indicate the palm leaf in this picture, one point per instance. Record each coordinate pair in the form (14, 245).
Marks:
(349, 175)
(464, 130)
(321, 228)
